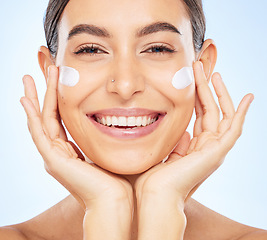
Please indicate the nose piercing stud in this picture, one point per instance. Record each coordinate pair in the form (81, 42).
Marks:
(113, 80)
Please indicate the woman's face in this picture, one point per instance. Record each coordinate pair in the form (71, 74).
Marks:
(134, 43)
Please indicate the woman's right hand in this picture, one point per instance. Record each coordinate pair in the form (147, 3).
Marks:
(88, 183)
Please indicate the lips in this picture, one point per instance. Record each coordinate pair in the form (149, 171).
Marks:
(126, 123)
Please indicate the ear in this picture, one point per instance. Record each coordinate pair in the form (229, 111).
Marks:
(208, 57)
(45, 60)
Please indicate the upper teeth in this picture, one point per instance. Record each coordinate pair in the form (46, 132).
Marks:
(126, 121)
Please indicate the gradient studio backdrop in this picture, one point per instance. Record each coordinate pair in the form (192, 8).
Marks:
(237, 189)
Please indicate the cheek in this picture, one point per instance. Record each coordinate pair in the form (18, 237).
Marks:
(175, 83)
(183, 102)
(176, 86)
(179, 90)
(77, 84)
(68, 76)
(183, 78)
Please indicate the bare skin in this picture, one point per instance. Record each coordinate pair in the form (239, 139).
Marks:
(67, 215)
(128, 180)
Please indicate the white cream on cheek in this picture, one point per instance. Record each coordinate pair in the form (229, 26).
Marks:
(183, 78)
(68, 76)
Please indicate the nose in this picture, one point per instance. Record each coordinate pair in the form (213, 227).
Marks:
(127, 79)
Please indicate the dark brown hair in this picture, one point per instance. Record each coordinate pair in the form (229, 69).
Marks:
(56, 7)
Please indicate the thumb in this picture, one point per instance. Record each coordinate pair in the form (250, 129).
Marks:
(181, 149)
(76, 149)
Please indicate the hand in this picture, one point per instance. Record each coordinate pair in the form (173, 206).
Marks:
(192, 162)
(87, 182)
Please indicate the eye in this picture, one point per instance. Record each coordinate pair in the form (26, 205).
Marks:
(89, 49)
(159, 49)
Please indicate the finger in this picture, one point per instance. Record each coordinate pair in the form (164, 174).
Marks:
(199, 116)
(69, 148)
(225, 102)
(181, 149)
(54, 125)
(62, 132)
(64, 147)
(192, 145)
(30, 91)
(53, 122)
(211, 115)
(76, 150)
(234, 132)
(35, 125)
(183, 144)
(50, 110)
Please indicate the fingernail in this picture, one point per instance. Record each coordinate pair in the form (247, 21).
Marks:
(217, 76)
(251, 98)
(23, 79)
(21, 102)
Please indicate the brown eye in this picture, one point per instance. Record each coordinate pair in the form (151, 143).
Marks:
(91, 50)
(159, 49)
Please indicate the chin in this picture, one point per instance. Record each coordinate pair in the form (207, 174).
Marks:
(129, 171)
(129, 166)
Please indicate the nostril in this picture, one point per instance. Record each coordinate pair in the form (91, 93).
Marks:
(126, 86)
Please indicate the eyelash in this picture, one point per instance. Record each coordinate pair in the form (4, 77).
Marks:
(161, 49)
(86, 50)
(92, 50)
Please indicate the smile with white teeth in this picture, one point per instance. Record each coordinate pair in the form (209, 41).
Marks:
(126, 122)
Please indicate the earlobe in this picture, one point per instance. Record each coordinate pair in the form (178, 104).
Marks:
(208, 57)
(45, 60)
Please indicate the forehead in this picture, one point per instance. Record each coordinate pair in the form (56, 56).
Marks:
(124, 15)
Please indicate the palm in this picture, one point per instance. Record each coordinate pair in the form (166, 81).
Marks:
(191, 162)
(87, 182)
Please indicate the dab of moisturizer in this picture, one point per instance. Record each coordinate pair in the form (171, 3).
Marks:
(183, 78)
(68, 76)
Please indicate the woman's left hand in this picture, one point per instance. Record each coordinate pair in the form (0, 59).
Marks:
(193, 161)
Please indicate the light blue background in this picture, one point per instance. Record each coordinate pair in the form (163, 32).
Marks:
(237, 189)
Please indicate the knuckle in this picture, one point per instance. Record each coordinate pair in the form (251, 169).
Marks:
(49, 167)
(228, 115)
(219, 163)
(199, 114)
(204, 109)
(29, 127)
(216, 166)
(238, 132)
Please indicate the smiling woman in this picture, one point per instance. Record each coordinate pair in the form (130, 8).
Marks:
(152, 52)
(125, 78)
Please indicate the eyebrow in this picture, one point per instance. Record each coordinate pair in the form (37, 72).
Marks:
(102, 32)
(157, 27)
(89, 29)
